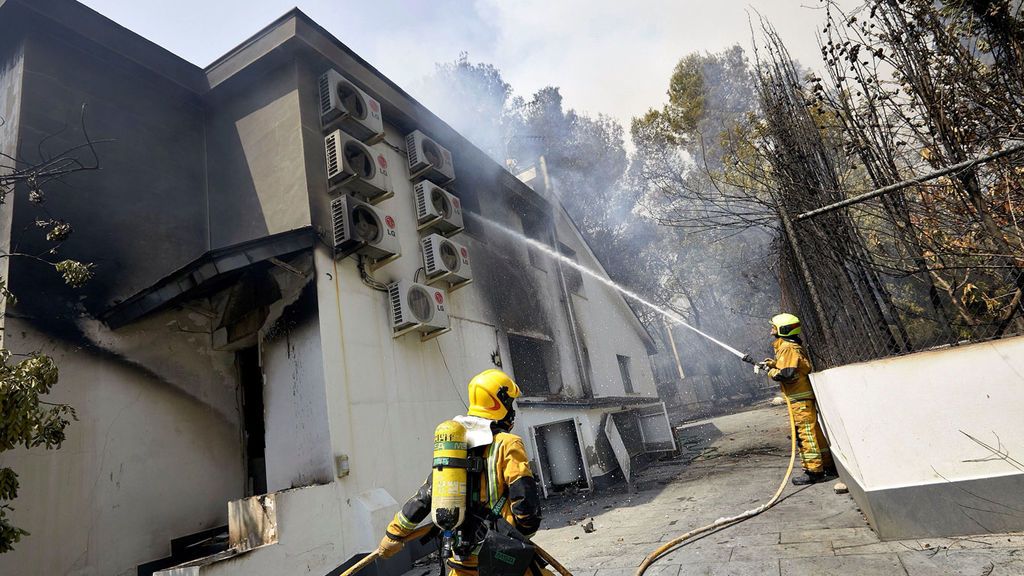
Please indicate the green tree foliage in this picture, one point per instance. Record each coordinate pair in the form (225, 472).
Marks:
(718, 235)
(634, 224)
(27, 422)
(917, 86)
(585, 155)
(472, 97)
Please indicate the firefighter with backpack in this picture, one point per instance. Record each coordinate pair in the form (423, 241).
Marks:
(481, 494)
(790, 368)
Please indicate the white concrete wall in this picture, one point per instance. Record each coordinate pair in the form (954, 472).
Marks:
(903, 421)
(297, 434)
(146, 462)
(385, 395)
(609, 326)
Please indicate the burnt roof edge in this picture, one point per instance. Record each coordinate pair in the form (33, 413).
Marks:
(204, 271)
(97, 28)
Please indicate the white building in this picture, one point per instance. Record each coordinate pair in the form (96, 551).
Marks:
(223, 351)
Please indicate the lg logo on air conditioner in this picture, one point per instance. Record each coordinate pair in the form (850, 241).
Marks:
(439, 298)
(390, 223)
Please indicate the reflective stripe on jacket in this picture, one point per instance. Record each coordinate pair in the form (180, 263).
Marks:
(792, 365)
(507, 473)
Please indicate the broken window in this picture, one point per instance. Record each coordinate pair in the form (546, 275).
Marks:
(573, 277)
(535, 227)
(535, 363)
(627, 382)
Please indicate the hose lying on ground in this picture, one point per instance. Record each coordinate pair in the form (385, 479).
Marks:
(422, 531)
(668, 546)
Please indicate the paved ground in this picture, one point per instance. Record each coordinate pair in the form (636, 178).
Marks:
(737, 462)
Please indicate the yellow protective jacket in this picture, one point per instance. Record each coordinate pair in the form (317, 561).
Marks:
(792, 365)
(506, 473)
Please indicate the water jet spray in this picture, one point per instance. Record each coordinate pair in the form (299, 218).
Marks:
(668, 314)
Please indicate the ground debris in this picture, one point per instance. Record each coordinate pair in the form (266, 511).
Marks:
(589, 527)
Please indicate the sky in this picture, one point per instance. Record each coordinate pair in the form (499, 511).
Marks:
(608, 56)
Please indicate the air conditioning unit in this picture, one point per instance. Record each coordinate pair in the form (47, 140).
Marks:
(428, 159)
(437, 209)
(418, 307)
(344, 105)
(446, 260)
(357, 167)
(363, 229)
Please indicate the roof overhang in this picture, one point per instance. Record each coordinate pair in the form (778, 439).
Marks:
(99, 29)
(213, 269)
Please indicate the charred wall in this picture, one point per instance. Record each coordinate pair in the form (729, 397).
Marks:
(143, 213)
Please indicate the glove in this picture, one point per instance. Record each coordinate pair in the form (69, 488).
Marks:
(769, 362)
(389, 547)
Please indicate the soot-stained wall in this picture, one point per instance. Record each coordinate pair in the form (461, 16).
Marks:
(11, 69)
(152, 172)
(257, 167)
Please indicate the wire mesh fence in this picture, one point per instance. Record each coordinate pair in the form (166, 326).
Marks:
(934, 264)
(912, 138)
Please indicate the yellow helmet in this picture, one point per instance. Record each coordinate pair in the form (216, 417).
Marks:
(785, 324)
(491, 393)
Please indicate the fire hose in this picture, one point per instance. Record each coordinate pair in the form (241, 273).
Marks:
(730, 520)
(423, 531)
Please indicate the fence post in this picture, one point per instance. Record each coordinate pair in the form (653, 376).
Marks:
(798, 254)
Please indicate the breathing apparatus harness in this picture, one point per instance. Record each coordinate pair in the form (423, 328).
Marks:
(501, 549)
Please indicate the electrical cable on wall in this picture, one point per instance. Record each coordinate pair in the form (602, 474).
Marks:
(450, 377)
(368, 279)
(394, 147)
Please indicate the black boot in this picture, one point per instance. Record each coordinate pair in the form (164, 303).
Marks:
(809, 477)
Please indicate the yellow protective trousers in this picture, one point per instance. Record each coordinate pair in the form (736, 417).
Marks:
(814, 450)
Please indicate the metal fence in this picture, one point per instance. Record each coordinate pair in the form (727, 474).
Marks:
(931, 262)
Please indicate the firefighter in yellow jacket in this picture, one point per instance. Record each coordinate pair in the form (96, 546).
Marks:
(505, 484)
(790, 368)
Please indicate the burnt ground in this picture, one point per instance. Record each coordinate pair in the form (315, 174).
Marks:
(731, 464)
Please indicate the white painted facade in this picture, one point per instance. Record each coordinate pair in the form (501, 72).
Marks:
(147, 460)
(349, 410)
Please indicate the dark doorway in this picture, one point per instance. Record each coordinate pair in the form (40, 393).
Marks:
(251, 377)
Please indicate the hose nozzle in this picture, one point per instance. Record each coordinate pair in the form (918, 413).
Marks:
(747, 358)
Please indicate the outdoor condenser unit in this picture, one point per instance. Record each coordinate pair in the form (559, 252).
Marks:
(428, 159)
(357, 167)
(343, 105)
(418, 307)
(446, 260)
(437, 209)
(363, 229)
